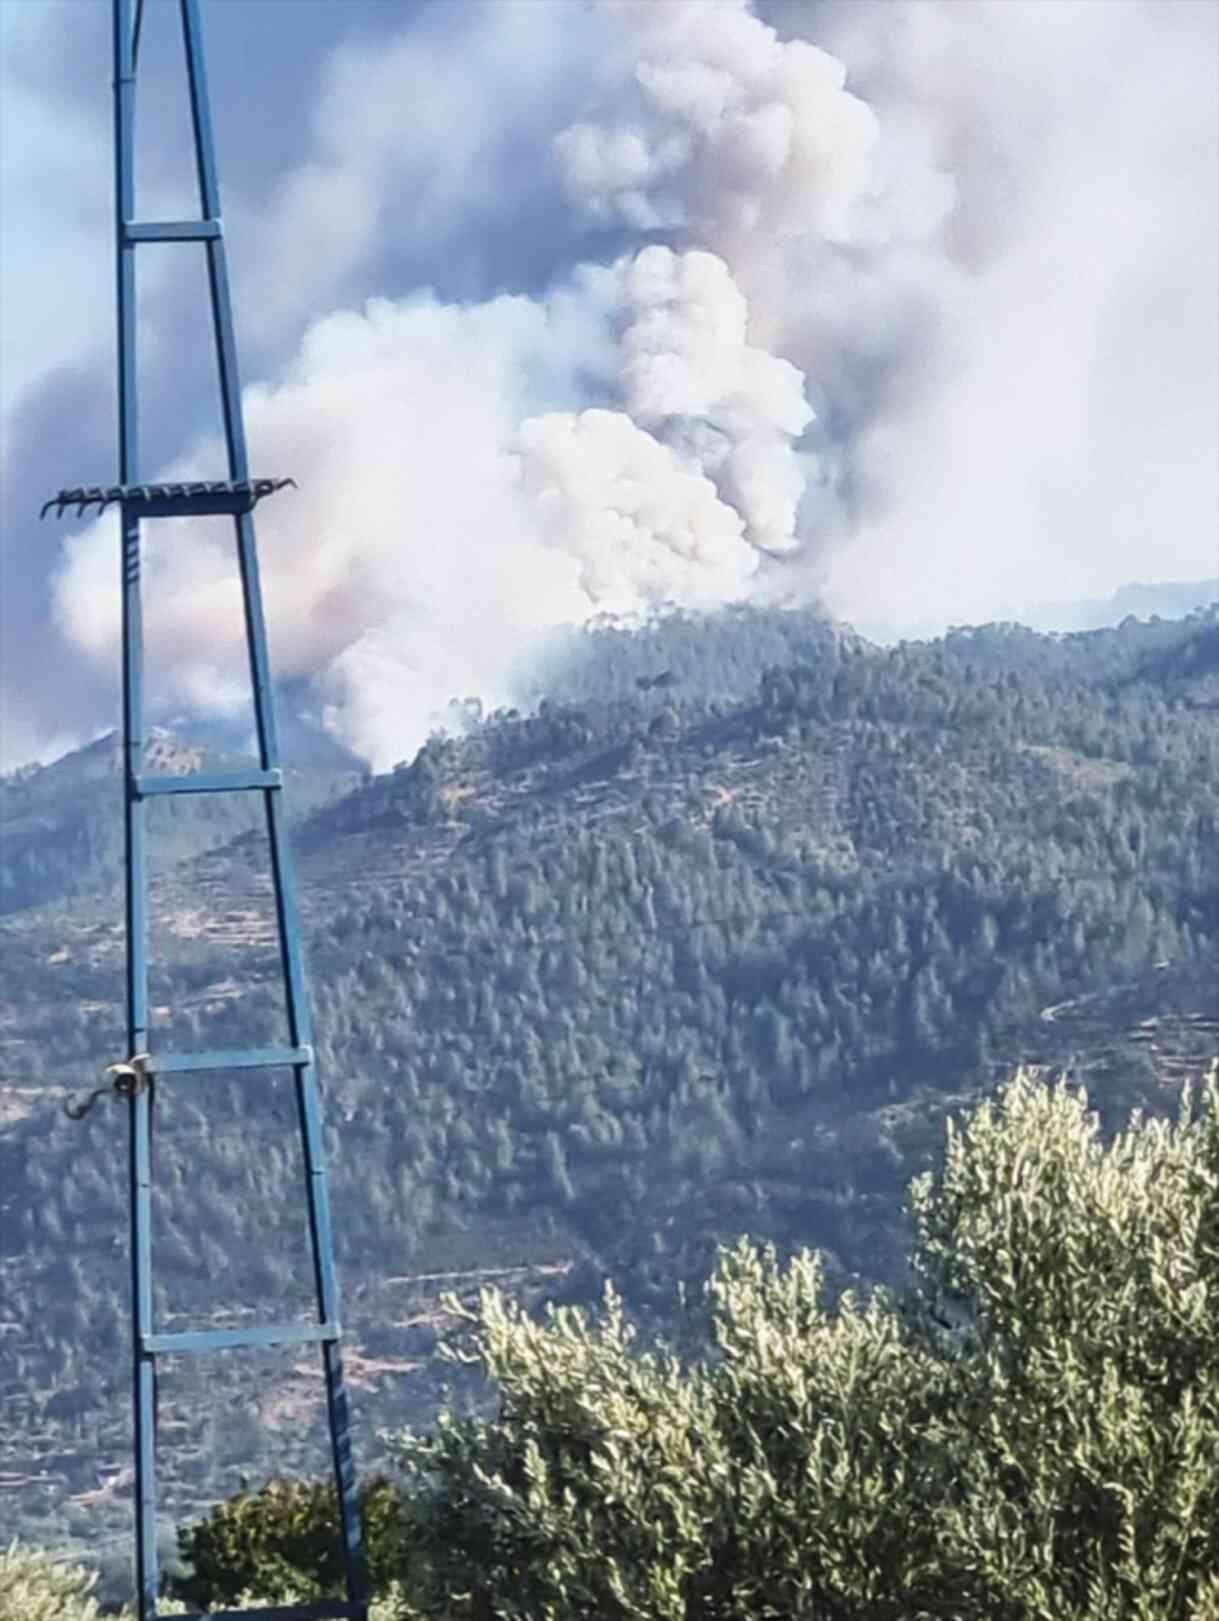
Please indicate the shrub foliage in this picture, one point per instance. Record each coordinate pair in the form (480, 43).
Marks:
(1028, 1432)
(36, 1587)
(283, 1539)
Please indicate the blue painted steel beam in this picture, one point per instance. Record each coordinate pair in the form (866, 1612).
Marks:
(208, 782)
(325, 1610)
(171, 230)
(196, 506)
(291, 949)
(230, 1058)
(140, 1105)
(219, 1339)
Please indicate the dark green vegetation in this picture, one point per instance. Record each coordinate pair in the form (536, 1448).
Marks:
(700, 948)
(1053, 1455)
(60, 837)
(1029, 1429)
(284, 1535)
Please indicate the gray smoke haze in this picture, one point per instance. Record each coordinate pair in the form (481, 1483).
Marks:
(908, 307)
(1052, 428)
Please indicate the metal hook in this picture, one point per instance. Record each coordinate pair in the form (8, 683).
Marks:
(78, 1111)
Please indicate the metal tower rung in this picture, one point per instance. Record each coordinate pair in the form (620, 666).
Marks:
(221, 1339)
(208, 782)
(223, 504)
(326, 1610)
(232, 1058)
(171, 231)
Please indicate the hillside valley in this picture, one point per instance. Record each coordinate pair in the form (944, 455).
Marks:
(711, 939)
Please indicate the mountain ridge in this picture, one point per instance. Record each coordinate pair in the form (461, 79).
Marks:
(598, 986)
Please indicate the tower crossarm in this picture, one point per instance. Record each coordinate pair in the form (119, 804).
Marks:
(219, 497)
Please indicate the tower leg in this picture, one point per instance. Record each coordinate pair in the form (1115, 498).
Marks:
(337, 1407)
(147, 1573)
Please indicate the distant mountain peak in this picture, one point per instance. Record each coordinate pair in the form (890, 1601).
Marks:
(1171, 599)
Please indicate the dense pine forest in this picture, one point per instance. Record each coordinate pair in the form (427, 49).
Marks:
(703, 941)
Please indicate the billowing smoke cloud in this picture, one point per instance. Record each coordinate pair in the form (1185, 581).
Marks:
(446, 524)
(689, 373)
(442, 527)
(917, 345)
(719, 129)
(392, 575)
(1047, 417)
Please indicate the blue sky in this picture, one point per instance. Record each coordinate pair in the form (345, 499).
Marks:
(564, 307)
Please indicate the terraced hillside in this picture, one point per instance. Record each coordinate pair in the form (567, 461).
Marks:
(597, 988)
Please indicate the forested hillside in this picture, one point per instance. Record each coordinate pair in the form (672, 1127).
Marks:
(61, 837)
(704, 944)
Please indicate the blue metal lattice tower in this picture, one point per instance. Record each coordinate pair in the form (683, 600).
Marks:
(136, 1079)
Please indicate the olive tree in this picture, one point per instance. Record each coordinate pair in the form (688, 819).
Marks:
(1085, 1278)
(1029, 1431)
(34, 1586)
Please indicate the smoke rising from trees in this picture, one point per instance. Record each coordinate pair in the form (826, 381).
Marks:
(903, 308)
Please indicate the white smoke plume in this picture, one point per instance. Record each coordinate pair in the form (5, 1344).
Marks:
(1049, 420)
(689, 373)
(918, 344)
(721, 130)
(442, 528)
(401, 574)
